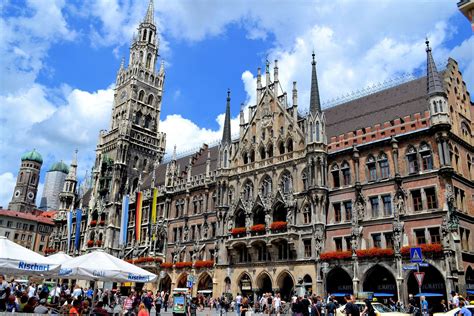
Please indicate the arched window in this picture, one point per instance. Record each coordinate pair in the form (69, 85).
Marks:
(262, 152)
(317, 132)
(456, 158)
(33, 179)
(426, 157)
(141, 57)
(252, 155)
(307, 214)
(289, 145)
(281, 148)
(148, 61)
(469, 165)
(141, 95)
(225, 159)
(150, 35)
(266, 186)
(21, 177)
(311, 131)
(138, 117)
(136, 162)
(245, 158)
(247, 191)
(412, 160)
(144, 35)
(335, 176)
(371, 168)
(147, 121)
(346, 173)
(270, 150)
(286, 183)
(384, 166)
(150, 99)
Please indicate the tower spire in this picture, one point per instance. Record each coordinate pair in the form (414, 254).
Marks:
(433, 81)
(226, 137)
(314, 103)
(150, 13)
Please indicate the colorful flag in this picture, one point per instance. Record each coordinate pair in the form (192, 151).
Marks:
(78, 228)
(124, 221)
(153, 209)
(69, 228)
(138, 217)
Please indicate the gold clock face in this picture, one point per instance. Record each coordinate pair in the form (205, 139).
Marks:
(31, 195)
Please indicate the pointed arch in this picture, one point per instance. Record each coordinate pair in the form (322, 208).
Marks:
(141, 95)
(289, 145)
(150, 100)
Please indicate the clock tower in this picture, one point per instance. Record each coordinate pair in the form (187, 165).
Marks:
(26, 187)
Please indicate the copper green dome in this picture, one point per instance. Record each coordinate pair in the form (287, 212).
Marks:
(59, 166)
(32, 156)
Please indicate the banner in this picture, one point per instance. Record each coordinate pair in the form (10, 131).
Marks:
(78, 228)
(138, 217)
(153, 209)
(124, 221)
(69, 228)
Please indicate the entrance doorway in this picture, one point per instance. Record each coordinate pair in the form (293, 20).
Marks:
(286, 285)
(338, 282)
(381, 282)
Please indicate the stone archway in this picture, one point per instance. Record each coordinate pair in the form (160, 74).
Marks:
(286, 284)
(338, 282)
(308, 284)
(469, 280)
(245, 285)
(433, 283)
(264, 283)
(227, 285)
(205, 285)
(182, 279)
(380, 281)
(165, 284)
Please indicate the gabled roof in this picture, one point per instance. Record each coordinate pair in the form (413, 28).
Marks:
(27, 216)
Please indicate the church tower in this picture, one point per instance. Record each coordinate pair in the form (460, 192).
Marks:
(67, 197)
(26, 187)
(129, 149)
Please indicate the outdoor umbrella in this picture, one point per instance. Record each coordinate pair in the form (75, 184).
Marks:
(59, 257)
(18, 260)
(429, 294)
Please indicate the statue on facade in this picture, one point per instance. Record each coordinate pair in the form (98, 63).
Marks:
(196, 250)
(185, 233)
(397, 236)
(289, 216)
(248, 221)
(359, 209)
(229, 223)
(399, 204)
(319, 239)
(268, 218)
(205, 231)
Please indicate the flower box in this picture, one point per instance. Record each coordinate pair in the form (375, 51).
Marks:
(102, 223)
(238, 231)
(98, 243)
(204, 264)
(90, 243)
(375, 253)
(184, 264)
(335, 255)
(275, 226)
(426, 249)
(258, 228)
(93, 223)
(166, 265)
(50, 250)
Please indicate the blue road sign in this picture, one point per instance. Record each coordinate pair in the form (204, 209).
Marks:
(189, 284)
(415, 255)
(412, 267)
(423, 264)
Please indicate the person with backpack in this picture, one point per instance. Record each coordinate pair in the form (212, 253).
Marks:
(331, 307)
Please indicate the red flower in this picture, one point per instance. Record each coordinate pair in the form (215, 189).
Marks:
(278, 225)
(90, 243)
(50, 250)
(375, 253)
(102, 223)
(238, 230)
(166, 265)
(258, 228)
(184, 264)
(93, 223)
(98, 243)
(335, 255)
(204, 264)
(428, 249)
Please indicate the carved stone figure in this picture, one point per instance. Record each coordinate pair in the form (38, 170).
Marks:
(229, 223)
(289, 215)
(205, 231)
(359, 210)
(268, 218)
(185, 233)
(399, 205)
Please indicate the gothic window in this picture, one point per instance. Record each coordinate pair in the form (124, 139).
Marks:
(289, 145)
(456, 158)
(145, 162)
(150, 35)
(317, 131)
(286, 183)
(141, 95)
(136, 162)
(311, 132)
(335, 176)
(231, 195)
(412, 160)
(240, 218)
(141, 57)
(469, 165)
(465, 130)
(384, 166)
(245, 158)
(307, 215)
(270, 150)
(150, 99)
(148, 61)
(262, 152)
(426, 158)
(435, 107)
(346, 173)
(252, 155)
(144, 35)
(21, 177)
(33, 179)
(225, 159)
(281, 147)
(266, 186)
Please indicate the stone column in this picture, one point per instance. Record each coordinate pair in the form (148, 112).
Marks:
(395, 156)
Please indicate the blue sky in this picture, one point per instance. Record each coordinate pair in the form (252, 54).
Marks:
(59, 60)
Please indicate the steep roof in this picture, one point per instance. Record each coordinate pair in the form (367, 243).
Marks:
(59, 166)
(27, 216)
(383, 106)
(32, 156)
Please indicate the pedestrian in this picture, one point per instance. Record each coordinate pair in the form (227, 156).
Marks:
(41, 307)
(3, 292)
(192, 307)
(454, 300)
(277, 304)
(142, 310)
(238, 302)
(464, 311)
(351, 309)
(158, 303)
(331, 307)
(165, 301)
(148, 301)
(424, 306)
(75, 309)
(244, 306)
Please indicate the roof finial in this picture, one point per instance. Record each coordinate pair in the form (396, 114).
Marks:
(226, 133)
(150, 12)
(314, 58)
(314, 102)
(433, 81)
(427, 42)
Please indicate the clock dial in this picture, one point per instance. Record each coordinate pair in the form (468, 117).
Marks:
(17, 193)
(31, 195)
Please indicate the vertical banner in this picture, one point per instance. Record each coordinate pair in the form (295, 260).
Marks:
(124, 221)
(69, 228)
(138, 217)
(78, 228)
(153, 209)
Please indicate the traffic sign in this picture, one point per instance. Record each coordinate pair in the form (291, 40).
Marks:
(415, 255)
(419, 276)
(189, 284)
(412, 267)
(191, 278)
(423, 264)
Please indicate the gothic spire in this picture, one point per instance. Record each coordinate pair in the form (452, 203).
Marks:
(226, 137)
(150, 12)
(314, 103)
(433, 81)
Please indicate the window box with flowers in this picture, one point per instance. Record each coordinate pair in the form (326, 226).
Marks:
(93, 223)
(98, 243)
(50, 250)
(335, 255)
(166, 265)
(426, 249)
(238, 231)
(90, 243)
(183, 264)
(102, 223)
(204, 264)
(258, 228)
(278, 226)
(375, 253)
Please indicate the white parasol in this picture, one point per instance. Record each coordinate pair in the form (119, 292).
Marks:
(18, 260)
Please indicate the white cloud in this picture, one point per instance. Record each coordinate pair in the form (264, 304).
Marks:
(8, 181)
